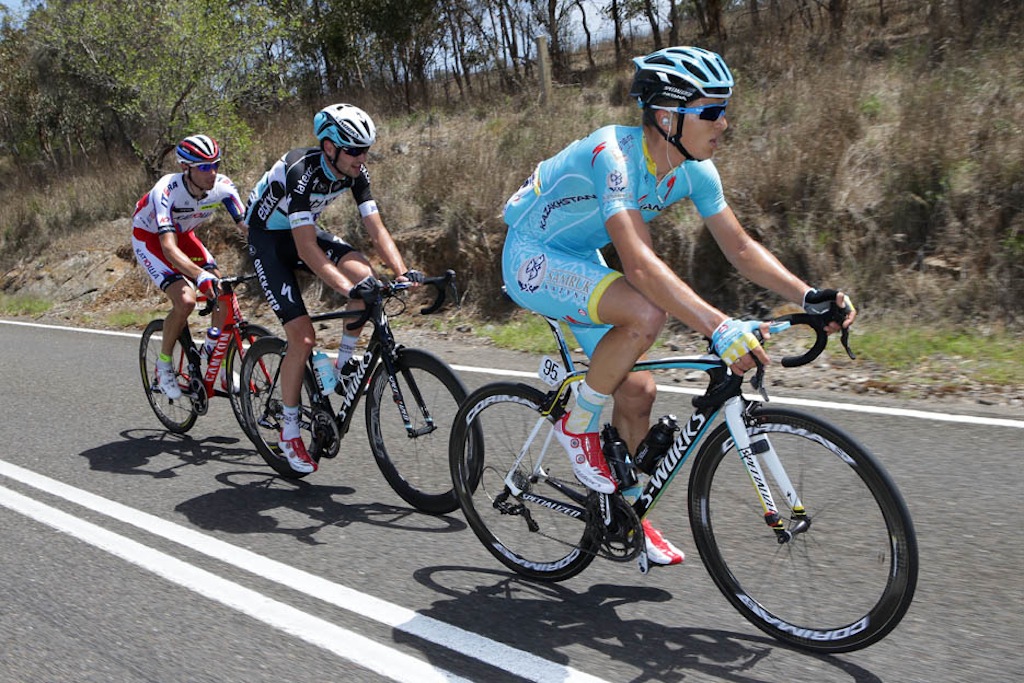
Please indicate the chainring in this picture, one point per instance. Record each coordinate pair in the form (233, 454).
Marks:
(623, 538)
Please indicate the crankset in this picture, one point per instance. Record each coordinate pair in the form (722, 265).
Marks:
(623, 537)
(326, 440)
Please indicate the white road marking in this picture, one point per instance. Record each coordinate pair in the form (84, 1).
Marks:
(376, 657)
(807, 403)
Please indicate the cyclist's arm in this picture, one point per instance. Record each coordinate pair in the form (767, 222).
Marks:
(752, 259)
(649, 274)
(383, 243)
(314, 257)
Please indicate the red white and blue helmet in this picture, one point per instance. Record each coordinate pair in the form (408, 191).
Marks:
(198, 149)
(680, 73)
(345, 125)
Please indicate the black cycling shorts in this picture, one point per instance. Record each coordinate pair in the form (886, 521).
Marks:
(276, 258)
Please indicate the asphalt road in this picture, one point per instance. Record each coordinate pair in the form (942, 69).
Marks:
(131, 554)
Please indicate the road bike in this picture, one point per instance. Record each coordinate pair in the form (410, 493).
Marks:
(237, 335)
(799, 526)
(409, 440)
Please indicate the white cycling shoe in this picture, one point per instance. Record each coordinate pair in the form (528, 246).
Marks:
(168, 380)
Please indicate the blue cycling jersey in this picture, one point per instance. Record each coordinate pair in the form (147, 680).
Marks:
(551, 261)
(567, 200)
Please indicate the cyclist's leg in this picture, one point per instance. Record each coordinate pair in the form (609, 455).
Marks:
(354, 266)
(275, 259)
(150, 256)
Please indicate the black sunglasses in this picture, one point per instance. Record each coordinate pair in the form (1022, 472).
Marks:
(355, 151)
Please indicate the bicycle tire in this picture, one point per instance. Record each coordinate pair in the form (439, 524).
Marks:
(178, 415)
(262, 405)
(491, 428)
(842, 585)
(233, 370)
(416, 467)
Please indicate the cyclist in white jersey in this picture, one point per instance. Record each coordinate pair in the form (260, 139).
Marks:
(605, 189)
(167, 247)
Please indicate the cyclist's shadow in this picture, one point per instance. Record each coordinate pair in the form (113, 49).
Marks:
(140, 449)
(543, 618)
(247, 500)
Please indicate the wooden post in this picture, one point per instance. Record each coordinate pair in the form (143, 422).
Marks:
(544, 70)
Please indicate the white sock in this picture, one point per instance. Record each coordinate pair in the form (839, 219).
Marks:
(291, 423)
(585, 416)
(346, 348)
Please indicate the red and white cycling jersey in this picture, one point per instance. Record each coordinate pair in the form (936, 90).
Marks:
(169, 207)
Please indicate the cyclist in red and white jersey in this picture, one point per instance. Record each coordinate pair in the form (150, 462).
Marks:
(165, 243)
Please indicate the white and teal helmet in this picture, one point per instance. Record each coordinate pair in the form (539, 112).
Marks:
(680, 73)
(345, 125)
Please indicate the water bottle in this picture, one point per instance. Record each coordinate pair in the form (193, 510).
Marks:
(324, 370)
(654, 446)
(212, 335)
(617, 455)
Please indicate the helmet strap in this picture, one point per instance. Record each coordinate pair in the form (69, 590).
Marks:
(676, 138)
(332, 161)
(189, 184)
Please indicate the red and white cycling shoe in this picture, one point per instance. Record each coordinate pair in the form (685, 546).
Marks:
(588, 461)
(659, 549)
(295, 452)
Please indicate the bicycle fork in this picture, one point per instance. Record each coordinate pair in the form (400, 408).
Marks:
(752, 453)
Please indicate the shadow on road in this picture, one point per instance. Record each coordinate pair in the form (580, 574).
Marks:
(548, 619)
(247, 500)
(139, 448)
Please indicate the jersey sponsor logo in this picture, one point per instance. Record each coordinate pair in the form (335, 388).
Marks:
(264, 283)
(596, 152)
(268, 202)
(531, 273)
(304, 181)
(560, 204)
(616, 182)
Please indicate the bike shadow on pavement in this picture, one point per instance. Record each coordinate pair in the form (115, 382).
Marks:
(251, 502)
(547, 619)
(148, 452)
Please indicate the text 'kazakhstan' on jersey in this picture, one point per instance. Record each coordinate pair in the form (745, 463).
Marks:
(298, 187)
(567, 200)
(169, 207)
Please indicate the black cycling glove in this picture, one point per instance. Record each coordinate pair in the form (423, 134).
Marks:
(365, 289)
(414, 276)
(821, 301)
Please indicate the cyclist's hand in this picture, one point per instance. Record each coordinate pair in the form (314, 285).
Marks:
(366, 289)
(208, 284)
(822, 301)
(735, 343)
(413, 276)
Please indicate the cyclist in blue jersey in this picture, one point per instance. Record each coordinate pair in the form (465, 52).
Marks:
(605, 189)
(166, 245)
(284, 237)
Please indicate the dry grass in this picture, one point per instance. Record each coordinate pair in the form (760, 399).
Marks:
(869, 165)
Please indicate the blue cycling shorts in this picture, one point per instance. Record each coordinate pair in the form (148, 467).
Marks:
(558, 284)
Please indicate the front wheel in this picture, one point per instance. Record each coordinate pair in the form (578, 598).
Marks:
(847, 574)
(178, 415)
(263, 408)
(412, 449)
(249, 333)
(515, 485)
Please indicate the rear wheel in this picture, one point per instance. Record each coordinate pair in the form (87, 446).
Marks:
(516, 486)
(414, 457)
(178, 415)
(262, 407)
